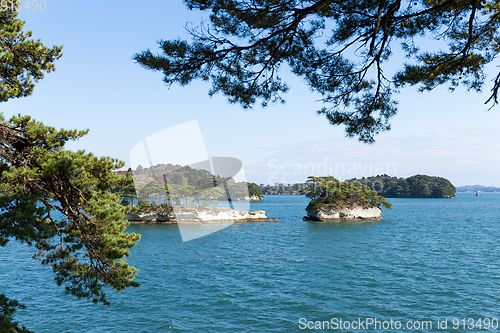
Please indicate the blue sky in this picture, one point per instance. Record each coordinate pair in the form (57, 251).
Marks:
(98, 86)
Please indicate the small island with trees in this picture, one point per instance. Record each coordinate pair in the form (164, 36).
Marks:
(170, 194)
(417, 186)
(184, 181)
(333, 200)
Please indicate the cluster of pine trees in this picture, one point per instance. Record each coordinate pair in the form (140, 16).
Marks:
(329, 191)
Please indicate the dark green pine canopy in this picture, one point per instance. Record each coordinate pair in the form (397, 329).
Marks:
(58, 201)
(339, 47)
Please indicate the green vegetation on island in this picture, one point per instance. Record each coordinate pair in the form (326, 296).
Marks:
(282, 189)
(255, 192)
(329, 192)
(184, 185)
(418, 186)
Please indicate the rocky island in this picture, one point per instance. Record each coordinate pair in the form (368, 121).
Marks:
(169, 194)
(344, 214)
(161, 215)
(333, 200)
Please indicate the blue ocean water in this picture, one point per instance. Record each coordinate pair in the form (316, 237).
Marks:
(427, 260)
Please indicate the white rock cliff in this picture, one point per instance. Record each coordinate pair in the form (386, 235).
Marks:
(344, 214)
(220, 215)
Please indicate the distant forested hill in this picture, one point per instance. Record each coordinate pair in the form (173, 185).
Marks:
(477, 188)
(418, 186)
(186, 181)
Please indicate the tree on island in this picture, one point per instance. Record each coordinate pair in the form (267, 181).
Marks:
(207, 197)
(339, 48)
(183, 182)
(58, 201)
(255, 191)
(332, 193)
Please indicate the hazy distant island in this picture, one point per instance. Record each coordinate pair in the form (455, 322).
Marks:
(477, 188)
(333, 200)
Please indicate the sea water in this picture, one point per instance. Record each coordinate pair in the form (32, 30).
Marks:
(428, 263)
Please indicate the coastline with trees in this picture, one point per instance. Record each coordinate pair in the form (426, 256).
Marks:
(417, 186)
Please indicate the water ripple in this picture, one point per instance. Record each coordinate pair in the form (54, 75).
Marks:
(427, 259)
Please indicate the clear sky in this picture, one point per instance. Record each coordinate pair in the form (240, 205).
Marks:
(98, 86)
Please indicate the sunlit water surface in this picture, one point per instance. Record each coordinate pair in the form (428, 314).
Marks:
(428, 259)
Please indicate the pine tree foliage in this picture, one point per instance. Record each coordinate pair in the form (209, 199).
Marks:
(61, 202)
(339, 47)
(7, 323)
(23, 60)
(58, 201)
